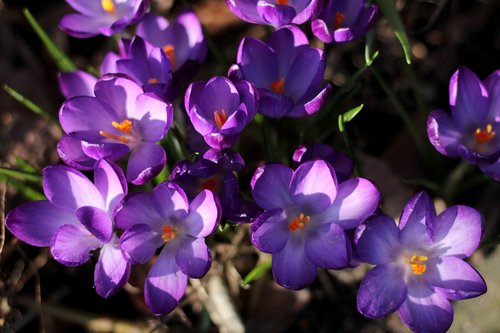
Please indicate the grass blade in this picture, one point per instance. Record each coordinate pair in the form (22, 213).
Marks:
(257, 272)
(29, 104)
(20, 175)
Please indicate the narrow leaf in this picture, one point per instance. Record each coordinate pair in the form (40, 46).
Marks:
(25, 165)
(257, 272)
(29, 104)
(28, 192)
(21, 175)
(349, 115)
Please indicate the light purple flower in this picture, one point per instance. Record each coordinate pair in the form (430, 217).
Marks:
(166, 219)
(305, 217)
(220, 109)
(471, 130)
(344, 20)
(419, 264)
(275, 12)
(105, 17)
(76, 219)
(287, 73)
(120, 118)
(76, 83)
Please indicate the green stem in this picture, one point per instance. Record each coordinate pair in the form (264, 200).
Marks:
(29, 104)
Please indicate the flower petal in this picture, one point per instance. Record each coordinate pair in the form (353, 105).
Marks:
(204, 215)
(81, 26)
(416, 215)
(193, 257)
(111, 183)
(97, 222)
(71, 245)
(71, 152)
(138, 208)
(276, 15)
(170, 201)
(257, 62)
(76, 83)
(154, 116)
(140, 242)
(270, 186)
(120, 93)
(146, 161)
(442, 133)
(328, 247)
(377, 240)
(269, 231)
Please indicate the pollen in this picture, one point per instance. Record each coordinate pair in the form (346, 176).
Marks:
(209, 184)
(153, 80)
(125, 126)
(278, 86)
(220, 118)
(299, 222)
(282, 2)
(417, 264)
(485, 135)
(108, 6)
(169, 233)
(338, 21)
(169, 50)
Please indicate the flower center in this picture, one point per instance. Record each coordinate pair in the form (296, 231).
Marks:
(299, 222)
(125, 127)
(169, 233)
(282, 2)
(220, 118)
(417, 264)
(108, 6)
(169, 50)
(153, 80)
(485, 135)
(338, 21)
(278, 86)
(209, 184)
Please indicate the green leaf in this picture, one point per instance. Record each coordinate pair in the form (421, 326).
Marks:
(388, 8)
(25, 166)
(28, 192)
(349, 115)
(257, 272)
(341, 124)
(62, 61)
(29, 104)
(21, 175)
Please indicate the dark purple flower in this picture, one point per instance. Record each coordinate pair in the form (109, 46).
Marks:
(120, 118)
(305, 217)
(219, 109)
(471, 130)
(105, 17)
(419, 264)
(275, 12)
(344, 20)
(287, 72)
(76, 219)
(166, 219)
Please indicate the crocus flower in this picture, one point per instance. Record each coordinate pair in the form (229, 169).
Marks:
(76, 219)
(214, 171)
(471, 130)
(76, 83)
(182, 41)
(419, 264)
(166, 219)
(344, 20)
(275, 12)
(305, 217)
(120, 118)
(106, 17)
(287, 73)
(219, 109)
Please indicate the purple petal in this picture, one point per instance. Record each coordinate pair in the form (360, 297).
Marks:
(269, 231)
(442, 133)
(138, 208)
(193, 257)
(89, 8)
(81, 26)
(274, 105)
(112, 269)
(77, 83)
(97, 221)
(313, 187)
(306, 73)
(276, 15)
(108, 64)
(291, 267)
(245, 10)
(120, 93)
(270, 186)
(109, 151)
(312, 9)
(321, 30)
(328, 247)
(170, 201)
(376, 297)
(315, 104)
(139, 243)
(258, 63)
(377, 240)
(154, 116)
(204, 215)
(71, 245)
(146, 161)
(416, 215)
(218, 94)
(71, 152)
(165, 284)
(287, 43)
(36, 222)
(110, 182)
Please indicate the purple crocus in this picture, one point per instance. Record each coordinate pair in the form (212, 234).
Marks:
(76, 219)
(275, 12)
(344, 20)
(305, 217)
(287, 72)
(220, 109)
(120, 118)
(166, 219)
(422, 258)
(106, 17)
(471, 130)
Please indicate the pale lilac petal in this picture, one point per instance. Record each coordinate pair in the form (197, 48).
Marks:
(154, 117)
(81, 26)
(112, 269)
(443, 134)
(71, 152)
(108, 151)
(377, 240)
(77, 83)
(120, 93)
(193, 257)
(270, 186)
(245, 10)
(138, 208)
(97, 221)
(139, 243)
(170, 201)
(276, 15)
(110, 182)
(71, 245)
(36, 222)
(321, 31)
(269, 231)
(416, 215)
(382, 291)
(204, 215)
(146, 161)
(108, 64)
(315, 104)
(165, 284)
(328, 247)
(87, 7)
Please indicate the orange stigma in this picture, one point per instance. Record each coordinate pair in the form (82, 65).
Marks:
(278, 86)
(209, 184)
(282, 2)
(169, 50)
(169, 233)
(153, 80)
(338, 21)
(485, 135)
(220, 118)
(114, 137)
(299, 222)
(417, 264)
(108, 6)
(124, 127)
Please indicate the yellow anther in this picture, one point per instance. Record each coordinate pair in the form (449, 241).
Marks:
(417, 264)
(169, 50)
(485, 135)
(278, 86)
(169, 233)
(220, 118)
(108, 6)
(124, 127)
(299, 222)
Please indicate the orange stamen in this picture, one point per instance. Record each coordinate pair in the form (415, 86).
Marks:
(153, 80)
(299, 222)
(108, 6)
(220, 118)
(338, 21)
(114, 137)
(124, 127)
(209, 184)
(278, 86)
(169, 50)
(485, 135)
(282, 2)
(417, 264)
(169, 233)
